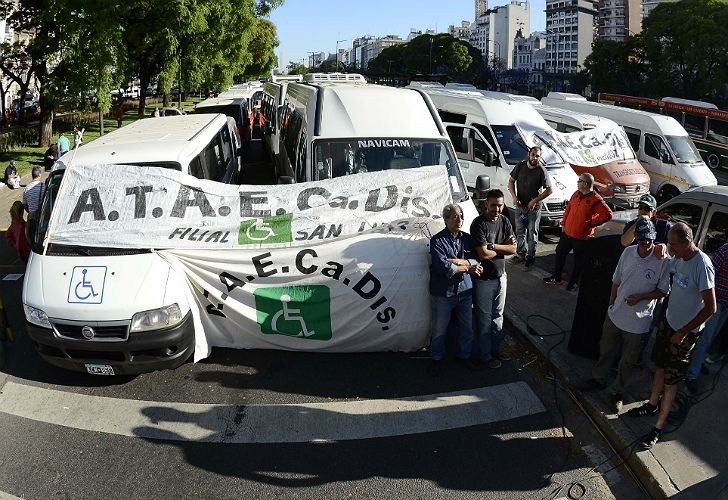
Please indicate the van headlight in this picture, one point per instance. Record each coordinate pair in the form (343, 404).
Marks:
(36, 316)
(617, 188)
(156, 319)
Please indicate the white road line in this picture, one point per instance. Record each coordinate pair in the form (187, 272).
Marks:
(290, 423)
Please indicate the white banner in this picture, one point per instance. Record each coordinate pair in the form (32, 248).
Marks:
(130, 207)
(342, 265)
(590, 148)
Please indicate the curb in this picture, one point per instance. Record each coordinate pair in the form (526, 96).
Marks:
(644, 465)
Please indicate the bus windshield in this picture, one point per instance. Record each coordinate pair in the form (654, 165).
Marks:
(339, 157)
(683, 148)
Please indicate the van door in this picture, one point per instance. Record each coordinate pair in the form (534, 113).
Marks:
(657, 161)
(715, 231)
(474, 153)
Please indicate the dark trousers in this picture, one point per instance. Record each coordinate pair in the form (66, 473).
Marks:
(566, 245)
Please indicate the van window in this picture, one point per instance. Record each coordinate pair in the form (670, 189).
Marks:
(340, 157)
(684, 149)
(684, 212)
(511, 143)
(447, 116)
(655, 147)
(231, 110)
(633, 135)
(487, 134)
(212, 164)
(715, 236)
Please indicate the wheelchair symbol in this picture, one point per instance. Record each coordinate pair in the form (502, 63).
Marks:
(259, 226)
(87, 285)
(290, 314)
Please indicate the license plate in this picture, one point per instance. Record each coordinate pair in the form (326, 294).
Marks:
(100, 369)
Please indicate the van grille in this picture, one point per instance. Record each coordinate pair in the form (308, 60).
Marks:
(106, 332)
(556, 207)
(637, 189)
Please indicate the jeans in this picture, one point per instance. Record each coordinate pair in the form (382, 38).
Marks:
(566, 244)
(527, 234)
(442, 308)
(490, 301)
(712, 327)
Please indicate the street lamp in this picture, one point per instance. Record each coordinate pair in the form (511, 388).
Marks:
(337, 53)
(432, 39)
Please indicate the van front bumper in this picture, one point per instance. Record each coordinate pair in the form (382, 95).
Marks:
(142, 352)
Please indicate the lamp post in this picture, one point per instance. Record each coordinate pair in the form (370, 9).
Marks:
(337, 53)
(432, 40)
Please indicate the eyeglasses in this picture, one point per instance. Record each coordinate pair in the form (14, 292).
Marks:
(582, 180)
(646, 208)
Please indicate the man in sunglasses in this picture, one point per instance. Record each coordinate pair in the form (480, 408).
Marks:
(646, 210)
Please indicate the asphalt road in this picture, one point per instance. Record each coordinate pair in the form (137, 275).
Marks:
(275, 424)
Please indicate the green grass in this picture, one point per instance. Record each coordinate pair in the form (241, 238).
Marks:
(28, 157)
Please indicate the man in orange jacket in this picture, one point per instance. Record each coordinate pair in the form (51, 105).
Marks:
(585, 211)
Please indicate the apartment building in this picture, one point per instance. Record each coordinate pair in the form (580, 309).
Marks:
(649, 5)
(618, 19)
(461, 32)
(529, 56)
(496, 29)
(570, 29)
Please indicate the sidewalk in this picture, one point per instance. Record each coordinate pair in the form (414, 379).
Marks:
(8, 196)
(686, 463)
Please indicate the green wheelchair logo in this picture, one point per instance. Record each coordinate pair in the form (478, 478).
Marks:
(295, 311)
(586, 155)
(274, 229)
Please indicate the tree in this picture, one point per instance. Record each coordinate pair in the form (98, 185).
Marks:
(617, 67)
(262, 49)
(686, 48)
(296, 69)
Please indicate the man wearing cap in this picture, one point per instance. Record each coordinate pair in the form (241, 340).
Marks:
(640, 279)
(529, 184)
(646, 210)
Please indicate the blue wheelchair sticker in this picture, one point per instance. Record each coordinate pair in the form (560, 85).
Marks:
(87, 285)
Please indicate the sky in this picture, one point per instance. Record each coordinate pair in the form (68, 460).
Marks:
(315, 25)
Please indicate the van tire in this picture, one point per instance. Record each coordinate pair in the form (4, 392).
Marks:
(666, 193)
(713, 161)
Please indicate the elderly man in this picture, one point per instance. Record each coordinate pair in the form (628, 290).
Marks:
(529, 184)
(585, 211)
(640, 280)
(692, 302)
(451, 288)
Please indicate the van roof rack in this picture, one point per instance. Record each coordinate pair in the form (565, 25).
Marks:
(334, 78)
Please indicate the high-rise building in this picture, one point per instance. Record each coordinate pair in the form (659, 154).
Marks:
(570, 27)
(461, 32)
(649, 5)
(496, 29)
(618, 19)
(529, 57)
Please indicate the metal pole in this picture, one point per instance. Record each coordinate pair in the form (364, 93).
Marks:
(337, 53)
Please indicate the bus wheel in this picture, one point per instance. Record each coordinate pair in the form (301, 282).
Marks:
(667, 193)
(713, 160)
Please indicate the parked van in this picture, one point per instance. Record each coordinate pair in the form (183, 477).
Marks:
(273, 93)
(477, 124)
(662, 146)
(234, 107)
(142, 320)
(333, 127)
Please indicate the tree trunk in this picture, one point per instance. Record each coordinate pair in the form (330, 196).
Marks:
(46, 123)
(165, 100)
(101, 122)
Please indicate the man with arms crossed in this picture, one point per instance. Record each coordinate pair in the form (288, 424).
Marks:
(691, 303)
(493, 238)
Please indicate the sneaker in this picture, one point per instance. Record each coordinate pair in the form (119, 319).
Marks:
(571, 287)
(651, 438)
(435, 367)
(645, 410)
(551, 280)
(517, 259)
(492, 363)
(715, 358)
(502, 356)
(617, 402)
(530, 262)
(468, 364)
(692, 385)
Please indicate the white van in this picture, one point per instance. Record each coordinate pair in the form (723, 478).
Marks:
(141, 321)
(475, 122)
(234, 107)
(331, 128)
(663, 147)
(273, 93)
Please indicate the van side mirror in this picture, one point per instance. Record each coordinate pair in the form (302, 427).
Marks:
(286, 179)
(665, 157)
(482, 186)
(239, 151)
(487, 157)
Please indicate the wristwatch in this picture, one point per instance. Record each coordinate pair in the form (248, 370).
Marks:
(490, 246)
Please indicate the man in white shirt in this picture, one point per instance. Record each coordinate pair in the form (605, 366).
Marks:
(640, 280)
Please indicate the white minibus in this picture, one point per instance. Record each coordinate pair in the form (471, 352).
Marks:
(475, 122)
(332, 127)
(142, 320)
(661, 144)
(273, 93)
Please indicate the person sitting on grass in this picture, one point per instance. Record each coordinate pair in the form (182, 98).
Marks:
(12, 179)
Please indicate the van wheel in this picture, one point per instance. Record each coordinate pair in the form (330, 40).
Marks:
(713, 161)
(667, 193)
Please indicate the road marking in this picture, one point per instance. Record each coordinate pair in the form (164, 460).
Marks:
(288, 423)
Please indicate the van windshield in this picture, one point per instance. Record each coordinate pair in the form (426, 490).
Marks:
(683, 148)
(340, 157)
(511, 143)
